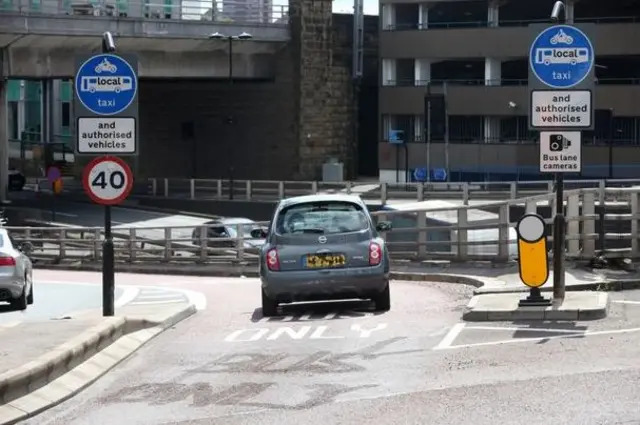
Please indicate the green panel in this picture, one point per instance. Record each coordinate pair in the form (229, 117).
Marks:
(168, 7)
(66, 92)
(33, 91)
(6, 5)
(35, 5)
(13, 90)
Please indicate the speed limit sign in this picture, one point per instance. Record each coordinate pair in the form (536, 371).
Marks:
(107, 180)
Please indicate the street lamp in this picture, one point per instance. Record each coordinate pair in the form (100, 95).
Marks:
(230, 39)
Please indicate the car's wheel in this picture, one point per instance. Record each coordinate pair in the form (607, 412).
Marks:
(30, 296)
(20, 303)
(269, 306)
(382, 300)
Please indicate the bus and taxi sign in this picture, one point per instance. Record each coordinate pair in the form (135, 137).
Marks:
(561, 56)
(106, 84)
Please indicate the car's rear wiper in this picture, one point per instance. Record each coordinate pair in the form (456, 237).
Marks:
(311, 230)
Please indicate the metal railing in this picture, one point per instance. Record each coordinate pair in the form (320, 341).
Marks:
(248, 190)
(230, 11)
(464, 233)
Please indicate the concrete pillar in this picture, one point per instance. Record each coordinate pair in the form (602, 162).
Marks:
(48, 102)
(388, 16)
(4, 140)
(423, 16)
(388, 72)
(422, 74)
(493, 14)
(492, 72)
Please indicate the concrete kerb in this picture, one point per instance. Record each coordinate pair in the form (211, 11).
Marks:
(67, 370)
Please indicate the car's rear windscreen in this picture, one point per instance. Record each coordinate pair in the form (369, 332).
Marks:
(321, 218)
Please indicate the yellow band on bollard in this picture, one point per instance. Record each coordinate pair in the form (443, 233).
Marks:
(532, 250)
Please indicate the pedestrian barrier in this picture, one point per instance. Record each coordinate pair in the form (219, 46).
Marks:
(263, 190)
(464, 233)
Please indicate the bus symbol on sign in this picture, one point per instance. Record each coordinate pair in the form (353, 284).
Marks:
(106, 84)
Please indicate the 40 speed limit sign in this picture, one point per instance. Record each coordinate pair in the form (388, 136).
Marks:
(107, 180)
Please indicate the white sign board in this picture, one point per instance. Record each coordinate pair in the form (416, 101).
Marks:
(560, 152)
(561, 109)
(106, 136)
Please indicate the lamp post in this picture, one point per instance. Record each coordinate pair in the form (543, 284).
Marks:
(230, 39)
(558, 220)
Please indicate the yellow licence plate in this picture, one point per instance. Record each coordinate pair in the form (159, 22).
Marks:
(318, 261)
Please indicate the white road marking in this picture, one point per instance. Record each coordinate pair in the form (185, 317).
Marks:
(65, 214)
(626, 302)
(156, 302)
(450, 337)
(128, 295)
(518, 329)
(158, 296)
(11, 324)
(537, 339)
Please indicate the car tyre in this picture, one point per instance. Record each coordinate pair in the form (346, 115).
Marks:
(30, 296)
(269, 306)
(382, 300)
(21, 302)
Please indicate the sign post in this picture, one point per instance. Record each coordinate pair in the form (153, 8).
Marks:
(106, 107)
(561, 82)
(533, 263)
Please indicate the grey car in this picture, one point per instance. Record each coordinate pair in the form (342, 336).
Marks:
(324, 247)
(16, 273)
(219, 230)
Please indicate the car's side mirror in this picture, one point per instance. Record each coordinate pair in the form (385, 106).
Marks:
(26, 247)
(383, 226)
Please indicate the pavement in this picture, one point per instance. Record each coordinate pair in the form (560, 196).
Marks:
(342, 363)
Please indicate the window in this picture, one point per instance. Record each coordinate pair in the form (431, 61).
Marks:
(66, 114)
(322, 218)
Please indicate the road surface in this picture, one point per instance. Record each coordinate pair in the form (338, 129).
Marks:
(61, 294)
(342, 364)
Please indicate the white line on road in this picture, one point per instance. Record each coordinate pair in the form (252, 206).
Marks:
(157, 302)
(129, 294)
(66, 214)
(159, 296)
(545, 338)
(450, 337)
(626, 302)
(518, 329)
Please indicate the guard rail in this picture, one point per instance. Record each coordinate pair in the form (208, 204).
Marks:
(464, 233)
(374, 192)
(234, 10)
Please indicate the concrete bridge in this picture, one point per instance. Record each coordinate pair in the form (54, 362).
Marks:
(41, 40)
(287, 72)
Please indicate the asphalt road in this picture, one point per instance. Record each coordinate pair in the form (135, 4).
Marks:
(61, 294)
(341, 364)
(55, 300)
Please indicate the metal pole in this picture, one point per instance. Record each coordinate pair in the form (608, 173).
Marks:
(429, 134)
(559, 219)
(4, 139)
(108, 278)
(558, 240)
(446, 133)
(230, 120)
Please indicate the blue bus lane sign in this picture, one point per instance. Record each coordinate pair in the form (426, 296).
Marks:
(561, 56)
(106, 84)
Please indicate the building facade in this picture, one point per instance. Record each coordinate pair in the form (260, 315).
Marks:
(476, 54)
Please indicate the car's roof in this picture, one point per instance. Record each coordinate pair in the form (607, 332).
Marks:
(235, 220)
(321, 197)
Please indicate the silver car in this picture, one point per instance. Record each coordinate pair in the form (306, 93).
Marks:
(323, 247)
(16, 273)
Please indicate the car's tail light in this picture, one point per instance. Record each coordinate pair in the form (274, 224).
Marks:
(273, 262)
(7, 261)
(375, 254)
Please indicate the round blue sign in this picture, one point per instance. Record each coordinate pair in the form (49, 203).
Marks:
(106, 84)
(439, 174)
(561, 56)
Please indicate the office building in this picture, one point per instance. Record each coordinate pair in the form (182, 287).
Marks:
(476, 53)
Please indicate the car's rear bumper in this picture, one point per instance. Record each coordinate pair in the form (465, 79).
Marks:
(10, 287)
(304, 285)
